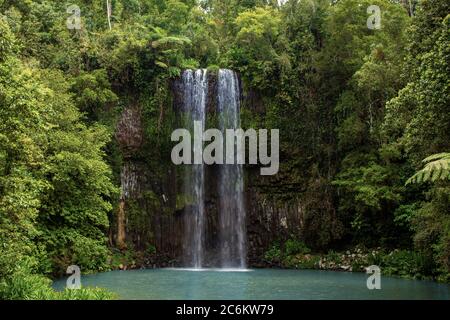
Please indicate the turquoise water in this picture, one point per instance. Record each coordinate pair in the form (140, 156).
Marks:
(165, 284)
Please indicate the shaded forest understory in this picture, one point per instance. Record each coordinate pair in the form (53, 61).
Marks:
(88, 104)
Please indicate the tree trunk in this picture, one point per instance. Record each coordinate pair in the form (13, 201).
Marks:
(108, 13)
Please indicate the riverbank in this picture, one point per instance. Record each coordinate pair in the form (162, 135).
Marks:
(402, 263)
(294, 255)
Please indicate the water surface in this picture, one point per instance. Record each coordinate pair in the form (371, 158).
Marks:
(165, 284)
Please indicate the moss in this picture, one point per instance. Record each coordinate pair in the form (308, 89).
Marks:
(184, 200)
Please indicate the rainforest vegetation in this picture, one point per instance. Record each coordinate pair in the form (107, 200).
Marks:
(363, 113)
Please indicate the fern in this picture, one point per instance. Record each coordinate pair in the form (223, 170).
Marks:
(162, 39)
(437, 167)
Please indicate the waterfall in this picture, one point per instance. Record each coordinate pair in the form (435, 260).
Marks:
(231, 185)
(229, 245)
(195, 84)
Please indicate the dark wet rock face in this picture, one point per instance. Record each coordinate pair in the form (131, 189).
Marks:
(152, 194)
(129, 132)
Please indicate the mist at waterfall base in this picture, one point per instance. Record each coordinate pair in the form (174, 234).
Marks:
(231, 241)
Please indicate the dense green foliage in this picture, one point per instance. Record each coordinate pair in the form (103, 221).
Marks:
(437, 167)
(403, 263)
(55, 185)
(358, 110)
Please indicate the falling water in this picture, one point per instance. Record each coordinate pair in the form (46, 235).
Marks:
(231, 222)
(195, 84)
(232, 212)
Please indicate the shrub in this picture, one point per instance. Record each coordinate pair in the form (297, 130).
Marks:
(26, 287)
(37, 287)
(151, 250)
(293, 247)
(407, 264)
(274, 254)
(84, 294)
(294, 255)
(334, 257)
(301, 261)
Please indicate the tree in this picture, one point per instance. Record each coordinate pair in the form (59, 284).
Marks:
(417, 123)
(361, 70)
(55, 187)
(254, 52)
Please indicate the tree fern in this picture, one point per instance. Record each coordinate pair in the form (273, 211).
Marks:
(437, 167)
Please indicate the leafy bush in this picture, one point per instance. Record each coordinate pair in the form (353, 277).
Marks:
(151, 250)
(213, 68)
(333, 256)
(274, 254)
(293, 246)
(130, 258)
(292, 256)
(26, 287)
(37, 287)
(301, 261)
(84, 294)
(407, 264)
(431, 224)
